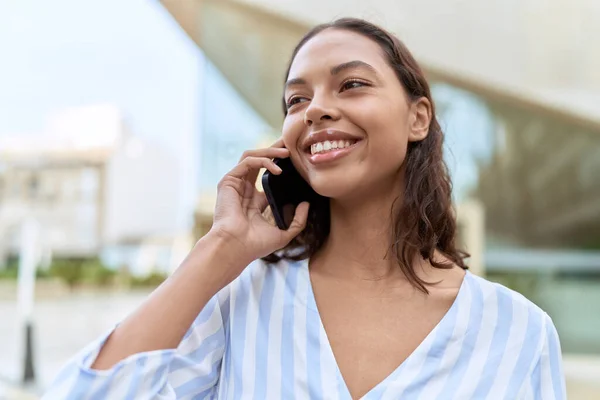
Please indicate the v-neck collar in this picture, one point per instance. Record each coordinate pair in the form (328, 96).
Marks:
(381, 387)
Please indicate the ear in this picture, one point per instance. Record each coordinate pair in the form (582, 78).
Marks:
(419, 119)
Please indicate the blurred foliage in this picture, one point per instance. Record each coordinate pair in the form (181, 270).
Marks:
(593, 244)
(524, 282)
(530, 284)
(69, 270)
(94, 272)
(42, 273)
(154, 279)
(78, 271)
(86, 271)
(10, 272)
(11, 269)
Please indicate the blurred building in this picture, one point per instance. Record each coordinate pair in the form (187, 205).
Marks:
(542, 187)
(91, 183)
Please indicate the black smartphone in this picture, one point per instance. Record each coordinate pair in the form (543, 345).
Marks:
(285, 191)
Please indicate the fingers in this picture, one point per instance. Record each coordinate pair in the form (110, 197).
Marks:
(269, 152)
(251, 165)
(298, 223)
(278, 143)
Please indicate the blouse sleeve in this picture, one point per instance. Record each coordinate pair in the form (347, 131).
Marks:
(548, 381)
(189, 371)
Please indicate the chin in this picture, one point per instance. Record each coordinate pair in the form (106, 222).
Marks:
(335, 186)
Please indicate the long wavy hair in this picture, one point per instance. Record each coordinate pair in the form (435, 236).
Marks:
(425, 220)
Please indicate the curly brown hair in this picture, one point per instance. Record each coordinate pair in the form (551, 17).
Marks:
(425, 220)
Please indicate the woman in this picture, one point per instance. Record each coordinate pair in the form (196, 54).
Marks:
(369, 297)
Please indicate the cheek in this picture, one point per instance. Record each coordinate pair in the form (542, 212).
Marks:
(386, 124)
(292, 131)
(388, 153)
(387, 135)
(377, 112)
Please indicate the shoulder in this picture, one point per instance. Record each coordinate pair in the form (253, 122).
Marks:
(513, 331)
(503, 299)
(520, 337)
(517, 321)
(520, 318)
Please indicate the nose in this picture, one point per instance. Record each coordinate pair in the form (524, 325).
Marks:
(319, 111)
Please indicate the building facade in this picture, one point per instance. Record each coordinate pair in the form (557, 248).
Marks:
(92, 185)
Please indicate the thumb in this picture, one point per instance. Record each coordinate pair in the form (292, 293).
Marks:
(298, 223)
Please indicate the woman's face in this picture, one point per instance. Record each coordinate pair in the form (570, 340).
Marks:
(349, 120)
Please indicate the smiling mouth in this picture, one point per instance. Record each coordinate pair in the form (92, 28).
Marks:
(329, 145)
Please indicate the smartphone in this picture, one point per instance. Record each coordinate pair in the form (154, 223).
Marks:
(285, 191)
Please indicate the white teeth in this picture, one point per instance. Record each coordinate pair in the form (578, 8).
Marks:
(330, 145)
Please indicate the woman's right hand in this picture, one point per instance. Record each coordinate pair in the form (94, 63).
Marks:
(240, 234)
(239, 220)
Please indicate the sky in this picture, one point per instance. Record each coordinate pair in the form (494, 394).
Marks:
(131, 53)
(69, 52)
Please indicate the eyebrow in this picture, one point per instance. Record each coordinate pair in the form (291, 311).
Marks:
(295, 82)
(352, 65)
(334, 71)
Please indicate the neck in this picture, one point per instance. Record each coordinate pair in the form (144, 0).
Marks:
(359, 238)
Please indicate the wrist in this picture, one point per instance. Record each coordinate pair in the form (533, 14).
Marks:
(230, 248)
(214, 261)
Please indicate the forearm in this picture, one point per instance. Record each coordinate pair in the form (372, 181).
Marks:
(163, 319)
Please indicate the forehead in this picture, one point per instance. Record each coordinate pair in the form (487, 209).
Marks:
(333, 47)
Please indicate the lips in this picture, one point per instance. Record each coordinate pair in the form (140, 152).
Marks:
(330, 157)
(328, 135)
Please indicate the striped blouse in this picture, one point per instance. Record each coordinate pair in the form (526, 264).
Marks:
(261, 337)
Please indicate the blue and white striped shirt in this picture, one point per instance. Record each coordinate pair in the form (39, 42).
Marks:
(261, 337)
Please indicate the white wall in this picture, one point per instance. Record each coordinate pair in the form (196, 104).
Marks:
(143, 190)
(545, 49)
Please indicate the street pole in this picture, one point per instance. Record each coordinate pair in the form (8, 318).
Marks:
(28, 260)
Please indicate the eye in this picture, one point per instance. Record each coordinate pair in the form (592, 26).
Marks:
(353, 84)
(295, 100)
